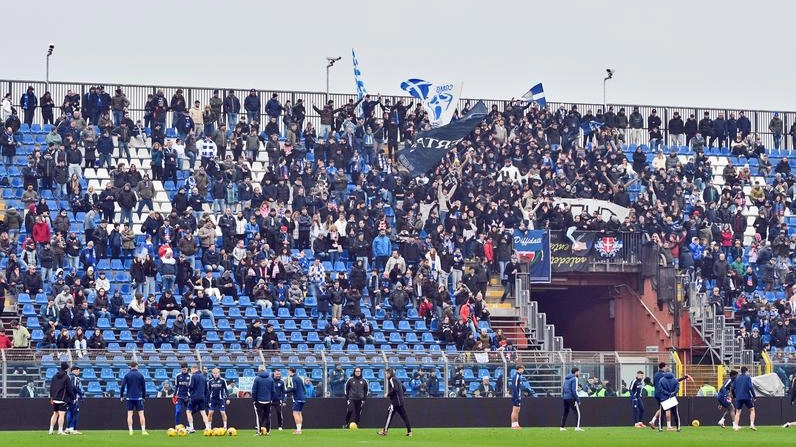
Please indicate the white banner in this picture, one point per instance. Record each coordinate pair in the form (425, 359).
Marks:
(604, 208)
(442, 101)
(439, 100)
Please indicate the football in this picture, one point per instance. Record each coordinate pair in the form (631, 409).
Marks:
(263, 431)
(182, 432)
(695, 423)
(232, 431)
(208, 432)
(353, 426)
(219, 432)
(171, 433)
(179, 427)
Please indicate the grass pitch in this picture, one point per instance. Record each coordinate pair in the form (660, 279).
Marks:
(439, 437)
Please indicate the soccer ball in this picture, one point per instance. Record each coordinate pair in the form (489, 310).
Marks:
(232, 431)
(179, 427)
(181, 432)
(171, 433)
(208, 432)
(263, 431)
(219, 432)
(695, 423)
(353, 426)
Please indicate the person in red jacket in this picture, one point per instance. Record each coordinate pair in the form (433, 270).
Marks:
(41, 231)
(5, 342)
(489, 253)
(426, 310)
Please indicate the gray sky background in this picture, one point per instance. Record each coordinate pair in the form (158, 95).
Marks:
(731, 53)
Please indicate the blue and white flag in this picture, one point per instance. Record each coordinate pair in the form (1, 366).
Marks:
(417, 88)
(536, 94)
(589, 127)
(439, 100)
(361, 91)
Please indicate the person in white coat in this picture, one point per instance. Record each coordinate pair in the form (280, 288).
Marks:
(6, 108)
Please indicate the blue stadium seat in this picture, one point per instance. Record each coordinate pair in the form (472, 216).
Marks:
(94, 388)
(125, 336)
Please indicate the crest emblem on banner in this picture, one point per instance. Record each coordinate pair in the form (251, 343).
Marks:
(530, 257)
(608, 247)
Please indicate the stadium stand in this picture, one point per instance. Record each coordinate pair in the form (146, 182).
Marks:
(168, 229)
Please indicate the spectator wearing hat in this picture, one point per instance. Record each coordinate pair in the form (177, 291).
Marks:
(178, 105)
(273, 108)
(251, 104)
(119, 104)
(28, 103)
(776, 127)
(231, 107)
(636, 124)
(706, 127)
(719, 131)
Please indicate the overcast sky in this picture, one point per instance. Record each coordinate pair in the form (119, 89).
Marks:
(691, 53)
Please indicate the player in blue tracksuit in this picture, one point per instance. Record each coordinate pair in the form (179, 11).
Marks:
(569, 391)
(197, 397)
(219, 397)
(667, 388)
(516, 397)
(262, 395)
(73, 408)
(278, 398)
(133, 391)
(655, 379)
(296, 388)
(635, 388)
(180, 398)
(744, 392)
(724, 398)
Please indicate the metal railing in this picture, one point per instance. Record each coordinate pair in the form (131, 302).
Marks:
(451, 374)
(137, 95)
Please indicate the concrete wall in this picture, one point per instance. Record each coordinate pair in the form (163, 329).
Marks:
(110, 414)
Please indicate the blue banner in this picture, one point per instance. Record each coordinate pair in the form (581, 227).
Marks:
(533, 248)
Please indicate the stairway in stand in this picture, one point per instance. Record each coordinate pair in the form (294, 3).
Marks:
(504, 315)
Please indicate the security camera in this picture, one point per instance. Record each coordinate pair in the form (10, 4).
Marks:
(50, 49)
(332, 60)
(609, 71)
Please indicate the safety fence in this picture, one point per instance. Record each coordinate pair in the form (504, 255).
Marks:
(137, 95)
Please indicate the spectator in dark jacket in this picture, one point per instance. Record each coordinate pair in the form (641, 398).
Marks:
(252, 106)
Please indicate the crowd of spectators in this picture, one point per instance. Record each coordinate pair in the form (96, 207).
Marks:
(334, 195)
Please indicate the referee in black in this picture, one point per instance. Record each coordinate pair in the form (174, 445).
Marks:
(356, 391)
(395, 391)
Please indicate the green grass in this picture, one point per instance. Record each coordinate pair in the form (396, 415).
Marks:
(593, 437)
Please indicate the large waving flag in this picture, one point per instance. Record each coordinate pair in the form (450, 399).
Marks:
(589, 127)
(432, 145)
(417, 88)
(439, 100)
(361, 91)
(536, 94)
